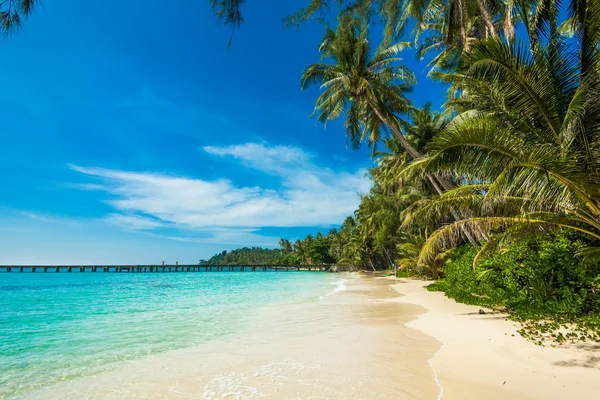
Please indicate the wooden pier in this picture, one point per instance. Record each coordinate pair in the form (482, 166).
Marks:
(161, 268)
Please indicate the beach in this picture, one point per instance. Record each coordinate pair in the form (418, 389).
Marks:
(481, 356)
(262, 335)
(314, 336)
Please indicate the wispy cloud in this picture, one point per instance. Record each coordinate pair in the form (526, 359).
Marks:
(225, 236)
(309, 195)
(271, 159)
(135, 222)
(42, 217)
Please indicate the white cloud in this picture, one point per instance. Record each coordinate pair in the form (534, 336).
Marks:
(226, 236)
(134, 221)
(309, 196)
(274, 159)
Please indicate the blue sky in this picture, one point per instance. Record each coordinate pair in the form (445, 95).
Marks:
(131, 132)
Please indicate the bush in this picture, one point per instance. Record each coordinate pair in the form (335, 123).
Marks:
(465, 285)
(537, 279)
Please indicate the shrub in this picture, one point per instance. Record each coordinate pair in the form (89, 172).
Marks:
(537, 279)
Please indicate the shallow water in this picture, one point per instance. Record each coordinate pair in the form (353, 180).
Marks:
(207, 335)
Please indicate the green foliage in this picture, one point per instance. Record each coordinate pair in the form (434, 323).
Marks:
(229, 12)
(311, 250)
(513, 158)
(368, 87)
(539, 280)
(465, 285)
(246, 255)
(525, 128)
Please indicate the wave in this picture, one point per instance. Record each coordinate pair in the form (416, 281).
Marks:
(340, 285)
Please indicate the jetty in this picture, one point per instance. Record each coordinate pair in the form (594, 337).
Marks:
(163, 268)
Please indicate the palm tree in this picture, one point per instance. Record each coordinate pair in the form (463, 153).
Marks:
(448, 28)
(423, 125)
(526, 141)
(285, 245)
(13, 12)
(371, 90)
(228, 11)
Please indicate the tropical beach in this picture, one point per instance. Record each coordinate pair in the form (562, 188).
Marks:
(483, 355)
(309, 199)
(250, 335)
(347, 335)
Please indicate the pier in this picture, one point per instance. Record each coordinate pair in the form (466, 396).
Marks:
(161, 268)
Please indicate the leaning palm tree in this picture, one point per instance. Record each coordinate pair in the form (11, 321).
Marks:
(369, 88)
(13, 12)
(526, 141)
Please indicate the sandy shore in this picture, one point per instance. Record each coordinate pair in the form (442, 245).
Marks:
(364, 341)
(483, 356)
(349, 344)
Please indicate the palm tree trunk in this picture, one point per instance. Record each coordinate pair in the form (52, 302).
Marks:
(491, 31)
(434, 183)
(509, 28)
(395, 131)
(463, 28)
(371, 262)
(389, 259)
(446, 184)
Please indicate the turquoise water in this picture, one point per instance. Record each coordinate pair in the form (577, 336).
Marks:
(64, 326)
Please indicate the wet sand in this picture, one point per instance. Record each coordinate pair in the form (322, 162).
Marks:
(380, 338)
(483, 356)
(352, 344)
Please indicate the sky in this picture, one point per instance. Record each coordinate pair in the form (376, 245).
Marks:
(132, 133)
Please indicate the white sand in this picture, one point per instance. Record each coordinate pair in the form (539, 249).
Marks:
(350, 345)
(483, 356)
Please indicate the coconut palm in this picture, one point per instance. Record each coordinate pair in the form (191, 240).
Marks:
(526, 140)
(228, 11)
(285, 245)
(369, 88)
(423, 125)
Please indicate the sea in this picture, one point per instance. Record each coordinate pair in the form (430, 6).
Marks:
(203, 335)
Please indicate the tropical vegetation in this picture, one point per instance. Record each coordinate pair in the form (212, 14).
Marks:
(515, 154)
(497, 194)
(244, 256)
(505, 179)
(13, 12)
(310, 250)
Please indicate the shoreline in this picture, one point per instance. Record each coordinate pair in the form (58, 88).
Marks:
(366, 337)
(349, 343)
(483, 356)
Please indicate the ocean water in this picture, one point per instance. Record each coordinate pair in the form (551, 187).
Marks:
(58, 330)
